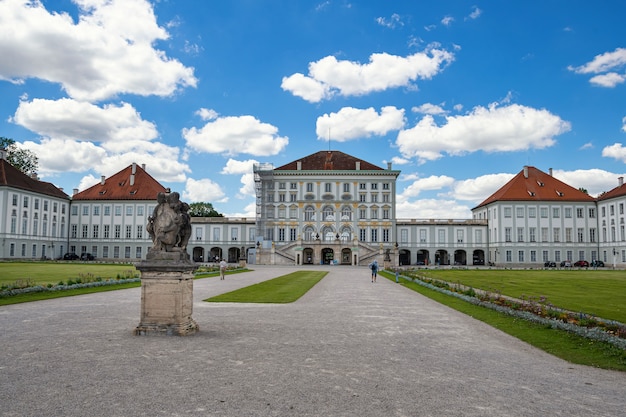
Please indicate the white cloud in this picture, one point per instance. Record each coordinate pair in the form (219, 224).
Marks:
(434, 182)
(233, 135)
(239, 167)
(447, 20)
(328, 76)
(608, 80)
(492, 129)
(394, 21)
(624, 124)
(603, 63)
(207, 114)
(203, 191)
(428, 108)
(65, 155)
(350, 123)
(71, 119)
(432, 209)
(475, 13)
(595, 181)
(615, 151)
(478, 189)
(104, 54)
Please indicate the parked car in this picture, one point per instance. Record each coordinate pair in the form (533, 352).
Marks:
(86, 257)
(70, 257)
(550, 264)
(581, 264)
(566, 264)
(597, 264)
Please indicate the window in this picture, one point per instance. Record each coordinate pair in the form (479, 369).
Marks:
(507, 234)
(580, 213)
(362, 213)
(282, 186)
(139, 232)
(293, 212)
(556, 212)
(216, 234)
(85, 231)
(96, 210)
(138, 252)
(293, 186)
(346, 214)
(568, 234)
(374, 198)
(362, 235)
(25, 202)
(292, 234)
(129, 231)
(532, 212)
(385, 186)
(520, 234)
(533, 256)
(293, 197)
(14, 200)
(520, 256)
(460, 235)
(362, 186)
(118, 210)
(116, 252)
(309, 187)
(374, 235)
(328, 187)
(385, 198)
(385, 213)
(362, 197)
(85, 210)
(567, 212)
(592, 235)
(532, 234)
(404, 235)
(544, 212)
(442, 236)
(386, 235)
(234, 233)
(507, 212)
(107, 231)
(118, 231)
(129, 210)
(107, 210)
(374, 213)
(36, 204)
(478, 236)
(281, 234)
(374, 186)
(73, 231)
(544, 234)
(96, 231)
(557, 234)
(592, 213)
(140, 211)
(346, 187)
(422, 235)
(127, 252)
(519, 212)
(309, 213)
(281, 197)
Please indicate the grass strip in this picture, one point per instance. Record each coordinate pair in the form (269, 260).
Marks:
(570, 347)
(285, 289)
(48, 295)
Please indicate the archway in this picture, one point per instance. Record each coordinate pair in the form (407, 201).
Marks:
(460, 257)
(404, 257)
(441, 257)
(328, 255)
(198, 254)
(478, 257)
(308, 256)
(215, 254)
(346, 256)
(233, 254)
(423, 257)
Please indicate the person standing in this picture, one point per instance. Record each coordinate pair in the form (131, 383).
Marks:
(223, 266)
(374, 268)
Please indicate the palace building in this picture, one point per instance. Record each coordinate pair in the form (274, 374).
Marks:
(325, 208)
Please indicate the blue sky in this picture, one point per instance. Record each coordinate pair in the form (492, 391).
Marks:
(458, 95)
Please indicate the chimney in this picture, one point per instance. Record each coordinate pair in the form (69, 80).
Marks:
(620, 181)
(389, 166)
(143, 166)
(132, 179)
(3, 154)
(550, 171)
(525, 171)
(133, 169)
(299, 164)
(358, 165)
(75, 191)
(102, 180)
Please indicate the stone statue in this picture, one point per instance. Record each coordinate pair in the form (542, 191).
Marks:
(170, 225)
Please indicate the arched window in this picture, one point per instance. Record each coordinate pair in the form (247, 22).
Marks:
(328, 213)
(309, 213)
(346, 213)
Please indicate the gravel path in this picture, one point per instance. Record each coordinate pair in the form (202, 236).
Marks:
(349, 347)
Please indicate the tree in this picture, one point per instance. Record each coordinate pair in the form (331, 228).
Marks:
(22, 159)
(203, 210)
(584, 190)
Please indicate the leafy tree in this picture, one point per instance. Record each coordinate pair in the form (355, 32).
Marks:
(203, 210)
(584, 190)
(22, 159)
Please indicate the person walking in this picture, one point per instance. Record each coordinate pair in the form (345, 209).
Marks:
(374, 268)
(223, 266)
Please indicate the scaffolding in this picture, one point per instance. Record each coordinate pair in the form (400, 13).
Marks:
(263, 179)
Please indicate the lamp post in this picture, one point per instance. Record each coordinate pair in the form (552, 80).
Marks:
(614, 257)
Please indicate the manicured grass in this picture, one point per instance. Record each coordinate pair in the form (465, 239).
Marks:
(565, 345)
(42, 273)
(285, 289)
(597, 292)
(48, 295)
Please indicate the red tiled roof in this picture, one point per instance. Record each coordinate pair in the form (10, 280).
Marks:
(13, 177)
(328, 161)
(618, 191)
(536, 186)
(119, 187)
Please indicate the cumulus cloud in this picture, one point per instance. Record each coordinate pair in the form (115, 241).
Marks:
(595, 181)
(70, 119)
(447, 20)
(615, 151)
(604, 64)
(428, 108)
(102, 55)
(350, 123)
(239, 167)
(477, 189)
(202, 191)
(329, 76)
(394, 21)
(490, 129)
(434, 182)
(233, 135)
(475, 14)
(428, 208)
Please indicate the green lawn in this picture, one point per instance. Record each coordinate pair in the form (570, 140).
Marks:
(562, 344)
(598, 292)
(285, 289)
(43, 273)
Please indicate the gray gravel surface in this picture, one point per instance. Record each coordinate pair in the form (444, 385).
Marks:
(349, 347)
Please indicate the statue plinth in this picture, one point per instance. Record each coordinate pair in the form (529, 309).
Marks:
(166, 294)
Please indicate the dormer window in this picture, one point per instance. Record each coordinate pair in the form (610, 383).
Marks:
(531, 193)
(560, 194)
(540, 183)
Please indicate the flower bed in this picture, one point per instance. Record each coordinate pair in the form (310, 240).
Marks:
(535, 310)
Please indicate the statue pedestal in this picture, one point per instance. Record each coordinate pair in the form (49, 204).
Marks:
(166, 295)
